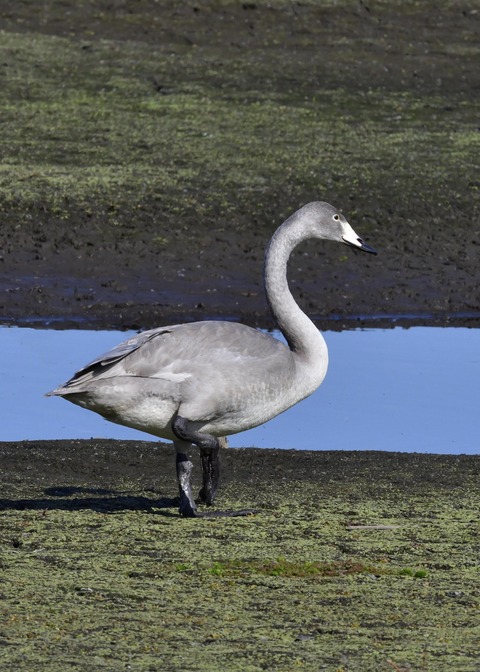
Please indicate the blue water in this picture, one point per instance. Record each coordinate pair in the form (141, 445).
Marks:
(409, 390)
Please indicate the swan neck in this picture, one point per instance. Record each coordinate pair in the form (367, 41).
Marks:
(298, 330)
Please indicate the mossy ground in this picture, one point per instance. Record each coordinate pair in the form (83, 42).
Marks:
(109, 125)
(364, 562)
(145, 144)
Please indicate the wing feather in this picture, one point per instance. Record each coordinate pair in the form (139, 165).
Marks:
(205, 352)
(107, 360)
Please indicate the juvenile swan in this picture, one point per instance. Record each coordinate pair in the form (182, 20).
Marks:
(193, 383)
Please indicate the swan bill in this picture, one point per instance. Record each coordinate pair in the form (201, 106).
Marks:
(359, 244)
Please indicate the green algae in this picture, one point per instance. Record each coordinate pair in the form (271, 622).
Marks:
(332, 573)
(104, 124)
(137, 134)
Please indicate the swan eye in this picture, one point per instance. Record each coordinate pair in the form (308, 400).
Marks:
(336, 218)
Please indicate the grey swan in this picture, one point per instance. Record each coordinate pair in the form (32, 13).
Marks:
(195, 383)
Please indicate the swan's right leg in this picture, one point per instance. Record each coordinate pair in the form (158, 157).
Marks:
(211, 474)
(187, 508)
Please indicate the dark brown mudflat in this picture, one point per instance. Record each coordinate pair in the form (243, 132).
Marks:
(111, 218)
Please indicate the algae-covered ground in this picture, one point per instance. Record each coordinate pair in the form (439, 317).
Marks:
(149, 150)
(354, 561)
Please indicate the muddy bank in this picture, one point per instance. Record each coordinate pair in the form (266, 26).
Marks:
(54, 471)
(149, 151)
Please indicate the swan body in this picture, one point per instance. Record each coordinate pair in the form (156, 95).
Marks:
(192, 383)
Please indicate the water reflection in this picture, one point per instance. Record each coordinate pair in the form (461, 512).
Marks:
(410, 390)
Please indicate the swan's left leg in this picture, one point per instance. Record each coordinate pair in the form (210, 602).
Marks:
(209, 447)
(188, 508)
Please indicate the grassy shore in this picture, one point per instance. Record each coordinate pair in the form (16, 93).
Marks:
(163, 141)
(304, 102)
(365, 562)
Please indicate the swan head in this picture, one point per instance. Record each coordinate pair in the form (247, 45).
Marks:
(328, 223)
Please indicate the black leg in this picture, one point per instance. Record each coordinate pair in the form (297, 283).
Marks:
(211, 474)
(209, 447)
(188, 507)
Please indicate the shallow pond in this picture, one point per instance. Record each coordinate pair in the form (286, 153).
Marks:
(410, 390)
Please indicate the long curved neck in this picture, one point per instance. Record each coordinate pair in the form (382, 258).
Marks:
(303, 338)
